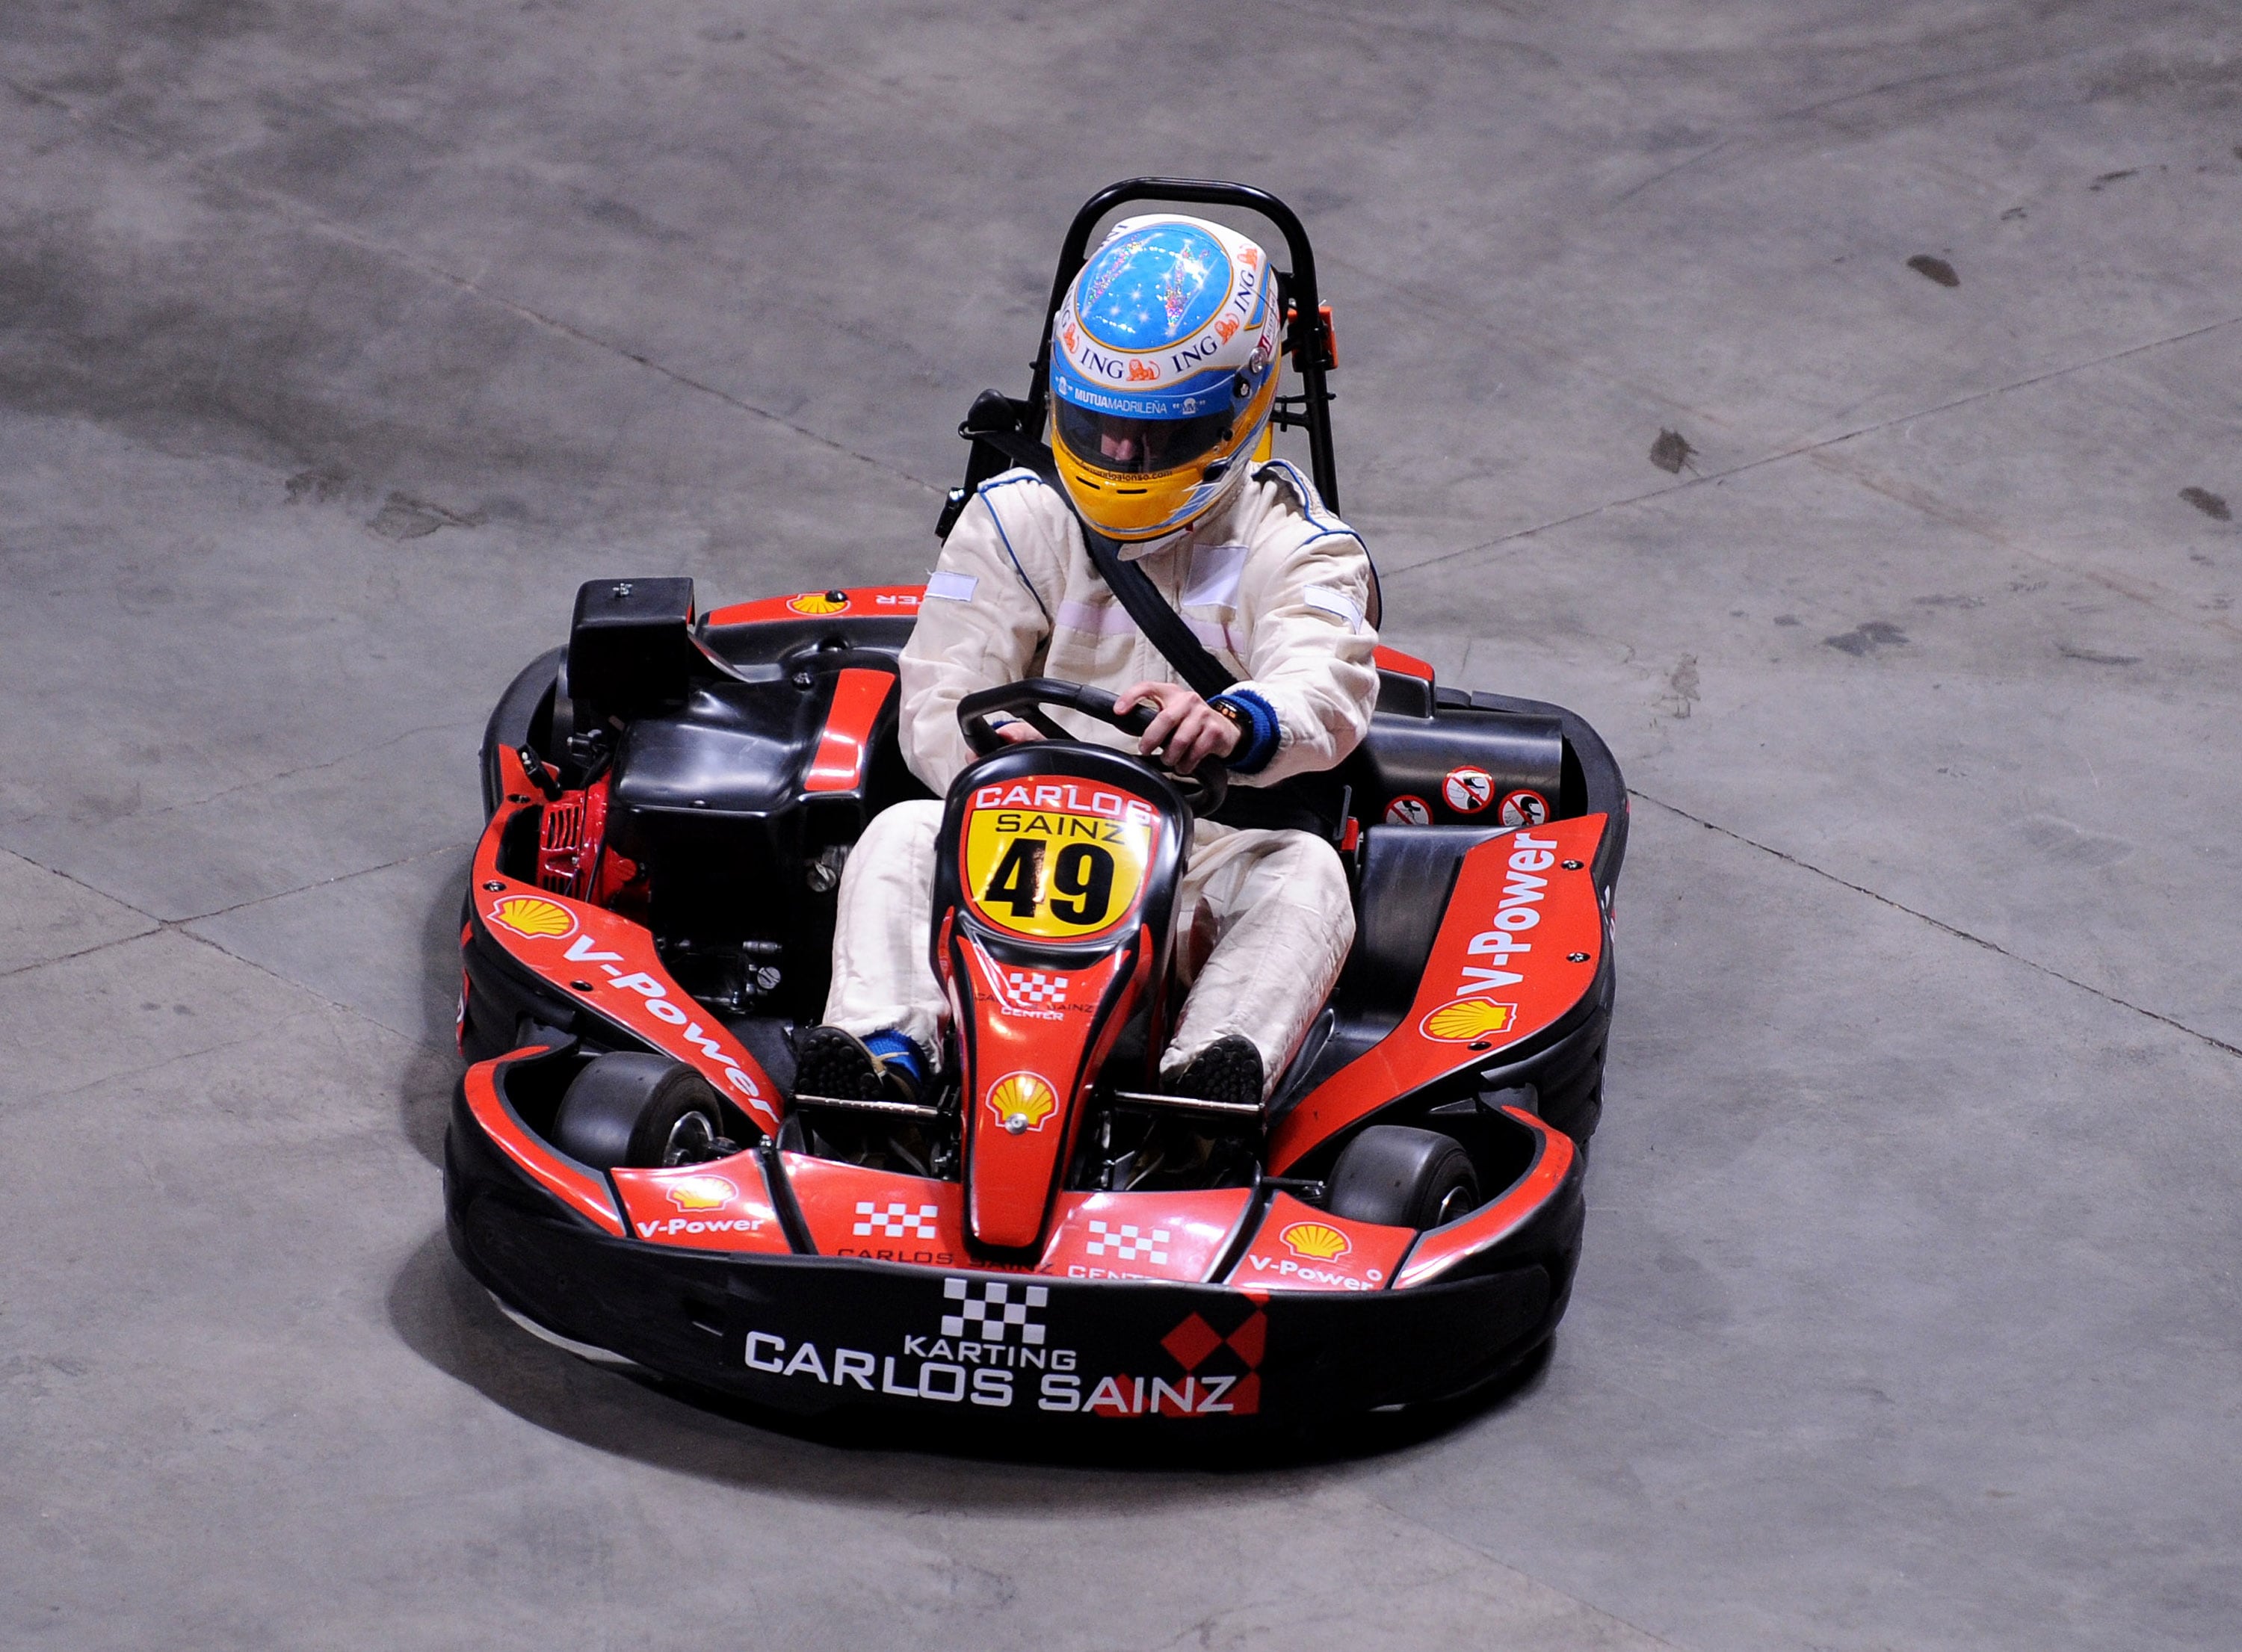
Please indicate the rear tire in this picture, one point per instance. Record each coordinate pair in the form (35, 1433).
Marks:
(644, 1111)
(1400, 1177)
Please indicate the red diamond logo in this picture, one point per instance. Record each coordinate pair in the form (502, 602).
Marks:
(1246, 1398)
(1191, 1341)
(1251, 1338)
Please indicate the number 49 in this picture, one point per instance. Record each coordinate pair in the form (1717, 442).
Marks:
(1081, 882)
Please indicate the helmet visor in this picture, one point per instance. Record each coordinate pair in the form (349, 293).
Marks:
(1140, 446)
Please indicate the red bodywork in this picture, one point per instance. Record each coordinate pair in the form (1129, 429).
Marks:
(875, 1215)
(608, 962)
(1298, 1247)
(725, 1206)
(1521, 942)
(898, 601)
(1032, 1039)
(844, 745)
(579, 1190)
(1519, 946)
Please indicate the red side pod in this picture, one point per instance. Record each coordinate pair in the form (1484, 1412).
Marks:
(722, 1206)
(1298, 1247)
(845, 746)
(881, 602)
(1441, 1248)
(566, 1180)
(608, 963)
(1517, 947)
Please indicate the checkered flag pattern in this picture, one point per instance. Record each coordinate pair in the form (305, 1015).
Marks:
(1127, 1242)
(989, 1310)
(894, 1221)
(1033, 987)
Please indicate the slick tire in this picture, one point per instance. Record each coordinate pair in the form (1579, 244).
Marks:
(1401, 1177)
(635, 1111)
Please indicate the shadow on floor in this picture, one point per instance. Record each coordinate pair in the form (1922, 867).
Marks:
(424, 1100)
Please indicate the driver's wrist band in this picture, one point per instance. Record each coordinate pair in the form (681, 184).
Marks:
(1256, 722)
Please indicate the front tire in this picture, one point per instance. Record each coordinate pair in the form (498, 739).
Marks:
(1400, 1177)
(644, 1111)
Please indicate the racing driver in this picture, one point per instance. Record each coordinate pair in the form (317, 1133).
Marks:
(1163, 373)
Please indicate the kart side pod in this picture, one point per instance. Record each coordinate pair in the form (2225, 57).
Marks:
(1055, 879)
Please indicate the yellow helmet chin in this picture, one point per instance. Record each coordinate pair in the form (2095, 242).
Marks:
(1132, 504)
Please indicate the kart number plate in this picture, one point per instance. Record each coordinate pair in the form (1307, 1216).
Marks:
(1057, 862)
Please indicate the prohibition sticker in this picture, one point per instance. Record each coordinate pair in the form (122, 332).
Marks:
(1408, 811)
(1468, 790)
(1524, 808)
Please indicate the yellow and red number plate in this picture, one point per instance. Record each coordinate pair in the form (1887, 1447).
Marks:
(1058, 859)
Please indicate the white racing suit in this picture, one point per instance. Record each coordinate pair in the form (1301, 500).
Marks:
(1275, 589)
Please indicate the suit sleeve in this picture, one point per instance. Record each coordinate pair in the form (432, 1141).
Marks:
(1310, 653)
(985, 620)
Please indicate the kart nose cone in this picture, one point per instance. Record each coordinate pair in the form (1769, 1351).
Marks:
(1013, 1160)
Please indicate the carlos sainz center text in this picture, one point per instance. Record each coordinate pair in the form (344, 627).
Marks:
(989, 1346)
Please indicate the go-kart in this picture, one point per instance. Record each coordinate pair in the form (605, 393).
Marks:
(1042, 1235)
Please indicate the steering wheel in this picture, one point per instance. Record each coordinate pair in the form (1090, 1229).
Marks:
(1203, 789)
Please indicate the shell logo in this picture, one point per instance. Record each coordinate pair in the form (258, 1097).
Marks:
(1022, 1101)
(534, 917)
(1318, 1241)
(701, 1193)
(820, 602)
(1467, 1018)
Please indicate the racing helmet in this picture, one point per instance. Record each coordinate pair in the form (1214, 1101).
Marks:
(1163, 372)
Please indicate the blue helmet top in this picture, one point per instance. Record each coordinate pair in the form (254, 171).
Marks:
(1144, 291)
(1170, 319)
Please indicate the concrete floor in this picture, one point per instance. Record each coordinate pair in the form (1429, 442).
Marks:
(338, 342)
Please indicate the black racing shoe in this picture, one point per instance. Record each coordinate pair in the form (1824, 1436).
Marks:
(1227, 1070)
(828, 1061)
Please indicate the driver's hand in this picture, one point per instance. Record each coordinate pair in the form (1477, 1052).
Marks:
(1184, 724)
(1017, 730)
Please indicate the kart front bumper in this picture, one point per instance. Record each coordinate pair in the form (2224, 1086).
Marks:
(806, 1334)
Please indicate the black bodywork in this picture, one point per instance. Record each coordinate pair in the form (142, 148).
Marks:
(726, 1323)
(708, 796)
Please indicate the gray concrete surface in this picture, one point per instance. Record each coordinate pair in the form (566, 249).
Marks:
(337, 343)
